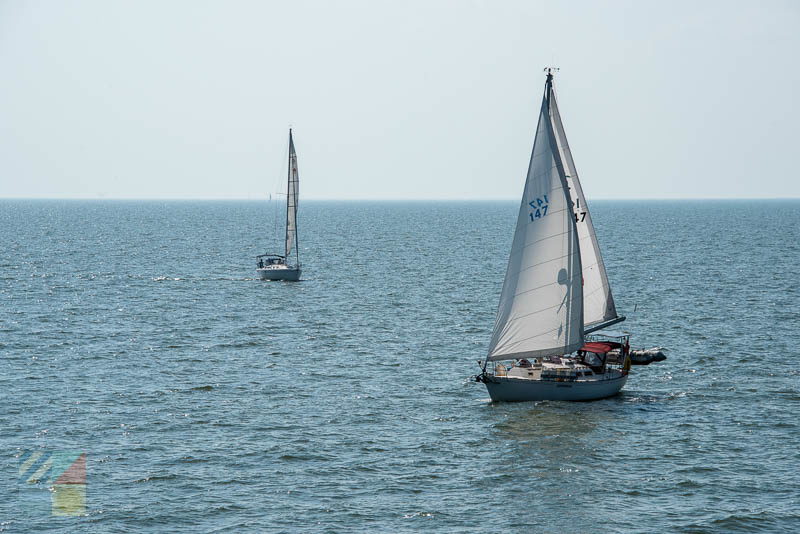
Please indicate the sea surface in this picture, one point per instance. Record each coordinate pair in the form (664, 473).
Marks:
(206, 400)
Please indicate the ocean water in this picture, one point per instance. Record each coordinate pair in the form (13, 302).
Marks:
(208, 401)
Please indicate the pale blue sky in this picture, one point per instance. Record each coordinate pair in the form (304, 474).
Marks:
(395, 100)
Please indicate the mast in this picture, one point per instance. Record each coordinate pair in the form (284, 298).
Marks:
(288, 199)
(565, 183)
(548, 88)
(573, 226)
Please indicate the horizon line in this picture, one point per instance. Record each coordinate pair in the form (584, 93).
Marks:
(379, 199)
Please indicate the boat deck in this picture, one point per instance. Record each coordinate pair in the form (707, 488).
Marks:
(566, 370)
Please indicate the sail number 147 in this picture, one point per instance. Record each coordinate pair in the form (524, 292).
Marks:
(539, 207)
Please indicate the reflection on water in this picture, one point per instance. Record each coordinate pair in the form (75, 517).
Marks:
(525, 422)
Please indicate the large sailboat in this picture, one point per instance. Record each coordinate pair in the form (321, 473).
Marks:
(556, 296)
(285, 266)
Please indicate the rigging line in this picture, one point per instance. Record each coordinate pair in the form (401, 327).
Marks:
(517, 318)
(277, 194)
(274, 209)
(592, 292)
(537, 241)
(541, 263)
(549, 284)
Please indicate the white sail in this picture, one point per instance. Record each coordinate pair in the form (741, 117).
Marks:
(598, 303)
(541, 304)
(291, 199)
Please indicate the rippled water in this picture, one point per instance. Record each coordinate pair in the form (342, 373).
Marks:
(208, 401)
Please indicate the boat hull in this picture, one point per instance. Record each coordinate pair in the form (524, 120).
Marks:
(522, 390)
(287, 275)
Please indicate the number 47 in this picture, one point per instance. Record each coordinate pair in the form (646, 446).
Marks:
(580, 217)
(539, 213)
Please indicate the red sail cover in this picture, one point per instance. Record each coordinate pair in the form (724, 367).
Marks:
(599, 348)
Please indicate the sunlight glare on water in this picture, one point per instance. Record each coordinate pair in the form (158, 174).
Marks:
(206, 399)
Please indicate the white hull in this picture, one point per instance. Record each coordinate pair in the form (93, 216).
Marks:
(522, 389)
(279, 273)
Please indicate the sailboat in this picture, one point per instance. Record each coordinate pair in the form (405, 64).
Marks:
(277, 266)
(556, 297)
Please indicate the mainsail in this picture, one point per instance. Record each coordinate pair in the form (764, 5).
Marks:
(598, 303)
(291, 199)
(541, 304)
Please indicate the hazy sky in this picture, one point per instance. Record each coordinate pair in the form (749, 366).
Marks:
(398, 100)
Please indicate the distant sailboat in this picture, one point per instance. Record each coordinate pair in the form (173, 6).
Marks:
(276, 266)
(555, 290)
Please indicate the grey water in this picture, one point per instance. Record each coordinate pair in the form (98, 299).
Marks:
(209, 401)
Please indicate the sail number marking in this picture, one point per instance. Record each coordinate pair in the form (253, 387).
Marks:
(580, 217)
(539, 207)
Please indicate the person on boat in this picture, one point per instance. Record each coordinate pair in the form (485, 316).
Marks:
(591, 359)
(524, 363)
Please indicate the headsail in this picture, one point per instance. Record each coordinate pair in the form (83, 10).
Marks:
(541, 304)
(291, 199)
(598, 302)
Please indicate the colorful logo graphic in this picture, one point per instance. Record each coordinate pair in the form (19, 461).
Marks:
(64, 474)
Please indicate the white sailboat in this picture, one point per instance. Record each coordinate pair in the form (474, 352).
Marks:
(277, 266)
(555, 291)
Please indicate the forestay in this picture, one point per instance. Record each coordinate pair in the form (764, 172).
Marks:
(541, 304)
(291, 199)
(598, 303)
